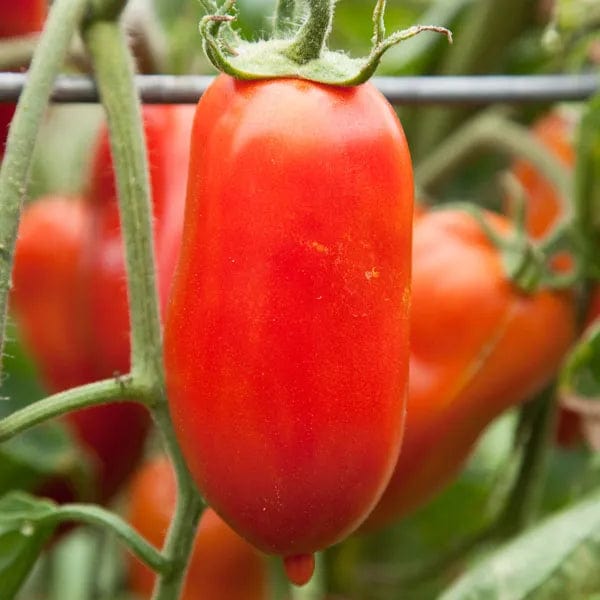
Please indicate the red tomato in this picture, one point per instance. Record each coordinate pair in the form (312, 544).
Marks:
(478, 346)
(222, 567)
(286, 339)
(70, 294)
(20, 17)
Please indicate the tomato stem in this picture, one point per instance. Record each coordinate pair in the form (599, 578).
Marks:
(93, 394)
(312, 36)
(522, 506)
(491, 130)
(284, 16)
(63, 20)
(306, 55)
(485, 29)
(587, 187)
(107, 520)
(115, 77)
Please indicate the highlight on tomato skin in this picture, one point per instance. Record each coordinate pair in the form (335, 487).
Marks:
(223, 566)
(287, 328)
(478, 346)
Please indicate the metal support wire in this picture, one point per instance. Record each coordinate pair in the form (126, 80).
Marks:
(482, 89)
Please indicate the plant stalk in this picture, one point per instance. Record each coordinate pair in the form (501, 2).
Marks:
(492, 131)
(311, 37)
(522, 506)
(93, 394)
(98, 516)
(115, 77)
(63, 20)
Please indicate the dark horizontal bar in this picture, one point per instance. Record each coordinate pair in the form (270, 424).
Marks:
(484, 89)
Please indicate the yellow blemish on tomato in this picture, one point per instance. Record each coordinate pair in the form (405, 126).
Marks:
(318, 247)
(372, 274)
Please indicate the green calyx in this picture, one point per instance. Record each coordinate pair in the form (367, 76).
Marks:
(305, 54)
(528, 264)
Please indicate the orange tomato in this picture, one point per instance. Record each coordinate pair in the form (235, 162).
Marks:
(223, 566)
(478, 346)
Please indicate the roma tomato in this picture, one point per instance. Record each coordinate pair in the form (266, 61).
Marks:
(222, 566)
(286, 338)
(478, 346)
(70, 295)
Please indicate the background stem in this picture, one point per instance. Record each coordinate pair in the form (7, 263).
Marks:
(93, 394)
(63, 20)
(487, 30)
(115, 76)
(522, 506)
(492, 131)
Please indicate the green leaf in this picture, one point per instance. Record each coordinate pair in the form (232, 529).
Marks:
(580, 375)
(44, 453)
(26, 524)
(556, 560)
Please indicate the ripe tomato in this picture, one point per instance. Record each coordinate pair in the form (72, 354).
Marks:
(222, 567)
(478, 346)
(286, 339)
(70, 296)
(22, 17)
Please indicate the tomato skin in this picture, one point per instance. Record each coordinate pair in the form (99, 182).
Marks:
(22, 17)
(70, 296)
(478, 346)
(286, 339)
(222, 566)
(167, 129)
(18, 18)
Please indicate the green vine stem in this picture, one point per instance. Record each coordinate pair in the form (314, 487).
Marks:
(284, 16)
(486, 30)
(522, 506)
(107, 520)
(492, 131)
(63, 20)
(93, 394)
(115, 77)
(310, 39)
(587, 187)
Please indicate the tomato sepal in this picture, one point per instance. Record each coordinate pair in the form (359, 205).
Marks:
(305, 56)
